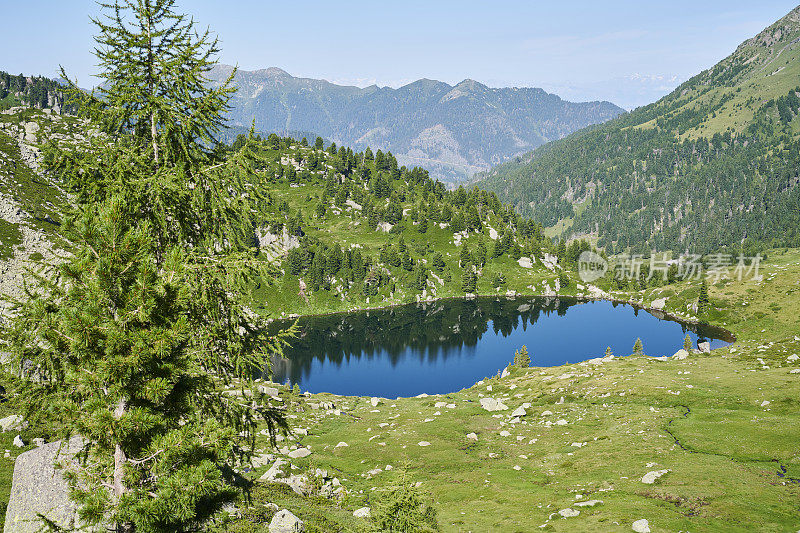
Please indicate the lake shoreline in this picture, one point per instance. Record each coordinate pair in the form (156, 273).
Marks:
(729, 336)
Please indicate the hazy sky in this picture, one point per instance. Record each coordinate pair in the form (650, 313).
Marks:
(628, 52)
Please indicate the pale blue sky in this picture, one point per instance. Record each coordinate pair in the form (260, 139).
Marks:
(627, 51)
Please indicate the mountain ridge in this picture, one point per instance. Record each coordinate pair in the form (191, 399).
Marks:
(458, 128)
(713, 164)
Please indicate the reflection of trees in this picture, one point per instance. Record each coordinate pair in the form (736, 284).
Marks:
(432, 331)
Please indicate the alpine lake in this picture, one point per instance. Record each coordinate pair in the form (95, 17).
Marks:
(447, 345)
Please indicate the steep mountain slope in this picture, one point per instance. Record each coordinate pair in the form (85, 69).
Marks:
(454, 131)
(714, 163)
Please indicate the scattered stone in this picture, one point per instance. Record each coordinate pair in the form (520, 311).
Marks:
(589, 503)
(517, 467)
(569, 513)
(374, 401)
(651, 477)
(505, 433)
(341, 445)
(364, 512)
(299, 453)
(765, 403)
(472, 436)
(18, 442)
(641, 526)
(439, 405)
(519, 411)
(424, 443)
(285, 522)
(505, 373)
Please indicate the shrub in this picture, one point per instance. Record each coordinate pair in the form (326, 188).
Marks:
(403, 509)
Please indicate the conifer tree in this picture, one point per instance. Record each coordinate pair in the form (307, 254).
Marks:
(521, 358)
(687, 343)
(638, 349)
(132, 343)
(702, 298)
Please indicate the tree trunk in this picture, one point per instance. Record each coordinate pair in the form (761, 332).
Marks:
(151, 83)
(119, 469)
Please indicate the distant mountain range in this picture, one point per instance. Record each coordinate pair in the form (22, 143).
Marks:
(715, 163)
(453, 131)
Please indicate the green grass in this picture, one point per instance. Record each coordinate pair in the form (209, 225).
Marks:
(701, 418)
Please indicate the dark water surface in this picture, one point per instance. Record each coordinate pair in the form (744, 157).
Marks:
(448, 345)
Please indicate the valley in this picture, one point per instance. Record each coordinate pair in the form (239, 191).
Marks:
(254, 302)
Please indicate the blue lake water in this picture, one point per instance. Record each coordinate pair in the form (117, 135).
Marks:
(448, 345)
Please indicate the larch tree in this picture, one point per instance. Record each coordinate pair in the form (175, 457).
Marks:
(135, 342)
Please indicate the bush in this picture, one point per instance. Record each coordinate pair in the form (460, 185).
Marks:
(402, 509)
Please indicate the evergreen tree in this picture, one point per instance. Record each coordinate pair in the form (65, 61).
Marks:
(702, 298)
(469, 281)
(465, 258)
(521, 358)
(438, 262)
(609, 353)
(638, 349)
(687, 343)
(131, 344)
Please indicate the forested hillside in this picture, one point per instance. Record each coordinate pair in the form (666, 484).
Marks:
(352, 229)
(453, 131)
(33, 91)
(715, 163)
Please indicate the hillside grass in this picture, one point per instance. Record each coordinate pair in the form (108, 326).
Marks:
(733, 460)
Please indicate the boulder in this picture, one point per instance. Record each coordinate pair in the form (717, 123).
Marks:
(299, 453)
(300, 484)
(269, 391)
(491, 404)
(18, 442)
(641, 526)
(658, 304)
(38, 488)
(569, 513)
(505, 373)
(519, 411)
(364, 512)
(704, 347)
(285, 522)
(275, 471)
(374, 401)
(472, 436)
(681, 354)
(12, 423)
(651, 477)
